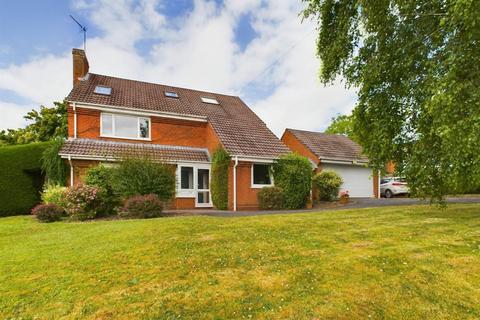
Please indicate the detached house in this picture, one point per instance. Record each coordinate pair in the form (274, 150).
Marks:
(109, 118)
(336, 153)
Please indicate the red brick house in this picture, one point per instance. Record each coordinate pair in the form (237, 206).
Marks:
(336, 153)
(110, 117)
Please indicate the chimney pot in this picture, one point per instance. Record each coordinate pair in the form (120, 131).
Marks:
(80, 65)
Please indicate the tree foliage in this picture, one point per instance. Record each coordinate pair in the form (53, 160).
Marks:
(342, 124)
(54, 167)
(47, 124)
(415, 65)
(219, 183)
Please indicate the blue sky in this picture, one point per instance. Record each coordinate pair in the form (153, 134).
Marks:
(256, 49)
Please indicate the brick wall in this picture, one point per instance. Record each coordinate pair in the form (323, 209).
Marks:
(165, 131)
(296, 146)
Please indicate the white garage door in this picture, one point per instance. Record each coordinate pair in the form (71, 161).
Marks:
(357, 180)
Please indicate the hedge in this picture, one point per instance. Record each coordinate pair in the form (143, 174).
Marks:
(219, 181)
(21, 178)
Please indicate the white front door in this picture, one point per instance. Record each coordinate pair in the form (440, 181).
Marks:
(193, 181)
(203, 188)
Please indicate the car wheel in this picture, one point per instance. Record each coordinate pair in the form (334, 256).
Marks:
(388, 194)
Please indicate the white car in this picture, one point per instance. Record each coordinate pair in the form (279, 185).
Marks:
(393, 186)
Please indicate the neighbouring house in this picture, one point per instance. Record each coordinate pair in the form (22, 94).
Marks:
(110, 118)
(337, 153)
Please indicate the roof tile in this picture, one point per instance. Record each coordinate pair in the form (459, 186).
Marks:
(330, 146)
(113, 149)
(240, 130)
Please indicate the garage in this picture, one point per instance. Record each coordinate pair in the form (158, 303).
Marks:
(358, 180)
(338, 153)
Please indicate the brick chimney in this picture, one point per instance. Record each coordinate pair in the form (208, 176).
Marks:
(80, 65)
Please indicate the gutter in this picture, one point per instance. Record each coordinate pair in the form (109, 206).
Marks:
(235, 184)
(141, 112)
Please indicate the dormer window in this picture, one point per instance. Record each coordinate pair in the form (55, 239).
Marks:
(103, 90)
(171, 94)
(209, 100)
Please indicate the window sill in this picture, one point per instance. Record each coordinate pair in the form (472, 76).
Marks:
(260, 186)
(126, 138)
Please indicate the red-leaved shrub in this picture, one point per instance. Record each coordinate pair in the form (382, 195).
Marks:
(48, 212)
(148, 206)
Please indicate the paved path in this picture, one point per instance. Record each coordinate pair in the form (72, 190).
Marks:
(355, 203)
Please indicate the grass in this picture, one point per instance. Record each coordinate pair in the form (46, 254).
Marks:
(414, 262)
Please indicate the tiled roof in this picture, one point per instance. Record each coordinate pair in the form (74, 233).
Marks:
(240, 130)
(330, 146)
(115, 150)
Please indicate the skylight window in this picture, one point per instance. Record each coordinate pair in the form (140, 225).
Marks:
(103, 90)
(171, 94)
(209, 100)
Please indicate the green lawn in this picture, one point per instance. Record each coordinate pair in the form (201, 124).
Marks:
(392, 263)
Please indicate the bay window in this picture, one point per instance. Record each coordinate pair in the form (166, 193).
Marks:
(125, 126)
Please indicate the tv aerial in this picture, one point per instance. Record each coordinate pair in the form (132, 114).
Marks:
(84, 30)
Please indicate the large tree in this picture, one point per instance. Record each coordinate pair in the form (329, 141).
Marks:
(416, 66)
(46, 124)
(342, 124)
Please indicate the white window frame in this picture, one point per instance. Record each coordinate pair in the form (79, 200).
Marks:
(121, 137)
(259, 186)
(193, 193)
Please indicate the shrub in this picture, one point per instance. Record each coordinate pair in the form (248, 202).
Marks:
(271, 198)
(101, 176)
(293, 173)
(53, 166)
(143, 176)
(48, 212)
(55, 194)
(219, 180)
(327, 184)
(21, 178)
(147, 206)
(83, 202)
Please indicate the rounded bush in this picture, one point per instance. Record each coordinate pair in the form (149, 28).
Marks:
(328, 185)
(148, 206)
(48, 212)
(293, 173)
(144, 176)
(83, 202)
(271, 198)
(55, 194)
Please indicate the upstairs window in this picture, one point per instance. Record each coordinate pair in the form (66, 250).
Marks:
(171, 94)
(261, 175)
(209, 100)
(123, 126)
(103, 90)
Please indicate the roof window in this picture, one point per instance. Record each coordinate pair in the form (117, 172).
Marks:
(103, 90)
(171, 94)
(209, 100)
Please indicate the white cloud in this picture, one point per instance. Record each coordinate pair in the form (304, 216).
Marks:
(198, 50)
(12, 115)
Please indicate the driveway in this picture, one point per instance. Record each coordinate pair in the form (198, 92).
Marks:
(356, 203)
